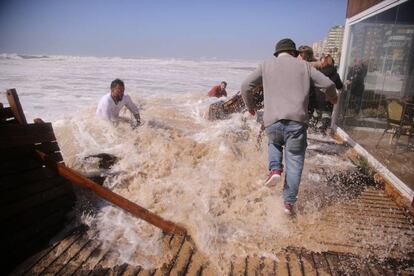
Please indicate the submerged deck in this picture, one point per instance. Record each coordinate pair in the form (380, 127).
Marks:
(79, 254)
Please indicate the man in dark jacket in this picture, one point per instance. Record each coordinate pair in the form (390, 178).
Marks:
(286, 84)
(355, 80)
(323, 107)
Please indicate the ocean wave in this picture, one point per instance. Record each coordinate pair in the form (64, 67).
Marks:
(22, 56)
(33, 56)
(10, 56)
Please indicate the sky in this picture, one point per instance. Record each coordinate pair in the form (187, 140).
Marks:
(243, 29)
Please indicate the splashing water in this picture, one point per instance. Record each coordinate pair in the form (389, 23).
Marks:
(208, 177)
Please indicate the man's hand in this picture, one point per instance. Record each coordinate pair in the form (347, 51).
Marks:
(137, 122)
(138, 119)
(334, 99)
(252, 112)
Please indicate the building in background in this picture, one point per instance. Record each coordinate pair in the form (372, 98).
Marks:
(375, 112)
(333, 44)
(318, 48)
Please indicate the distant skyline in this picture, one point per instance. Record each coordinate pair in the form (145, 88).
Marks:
(163, 29)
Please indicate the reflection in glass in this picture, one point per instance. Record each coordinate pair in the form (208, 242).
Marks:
(379, 70)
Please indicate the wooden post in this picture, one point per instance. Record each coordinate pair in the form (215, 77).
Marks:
(1, 107)
(16, 107)
(112, 197)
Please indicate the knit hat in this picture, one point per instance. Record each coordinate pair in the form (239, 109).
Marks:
(285, 45)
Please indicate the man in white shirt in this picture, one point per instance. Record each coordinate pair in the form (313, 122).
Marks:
(111, 104)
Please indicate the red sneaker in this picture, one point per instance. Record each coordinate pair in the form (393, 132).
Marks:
(288, 208)
(273, 178)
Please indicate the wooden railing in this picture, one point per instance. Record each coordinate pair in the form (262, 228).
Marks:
(111, 197)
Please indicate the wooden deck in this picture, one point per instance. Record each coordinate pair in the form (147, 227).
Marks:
(79, 255)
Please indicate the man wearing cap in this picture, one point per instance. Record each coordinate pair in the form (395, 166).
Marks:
(286, 84)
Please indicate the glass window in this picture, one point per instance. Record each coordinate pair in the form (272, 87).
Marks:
(376, 106)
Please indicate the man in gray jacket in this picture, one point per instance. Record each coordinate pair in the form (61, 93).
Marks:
(286, 84)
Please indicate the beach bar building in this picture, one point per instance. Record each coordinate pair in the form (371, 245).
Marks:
(376, 110)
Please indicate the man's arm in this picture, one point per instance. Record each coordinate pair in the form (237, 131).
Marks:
(251, 82)
(133, 108)
(103, 109)
(338, 82)
(325, 84)
(213, 91)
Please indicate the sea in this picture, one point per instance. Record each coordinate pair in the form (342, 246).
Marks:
(205, 175)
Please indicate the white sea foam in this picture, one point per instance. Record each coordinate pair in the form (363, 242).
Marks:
(53, 87)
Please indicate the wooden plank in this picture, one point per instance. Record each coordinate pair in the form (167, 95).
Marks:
(23, 162)
(15, 166)
(104, 264)
(37, 199)
(9, 182)
(334, 263)
(19, 254)
(295, 263)
(282, 267)
(308, 263)
(176, 244)
(29, 263)
(48, 147)
(66, 257)
(267, 266)
(116, 270)
(5, 113)
(321, 264)
(96, 262)
(197, 262)
(90, 264)
(79, 259)
(19, 152)
(56, 156)
(131, 271)
(184, 258)
(149, 272)
(112, 197)
(14, 153)
(253, 265)
(55, 253)
(238, 267)
(208, 270)
(20, 238)
(15, 106)
(11, 121)
(27, 218)
(22, 191)
(18, 135)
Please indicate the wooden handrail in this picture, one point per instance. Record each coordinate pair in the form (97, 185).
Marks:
(112, 197)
